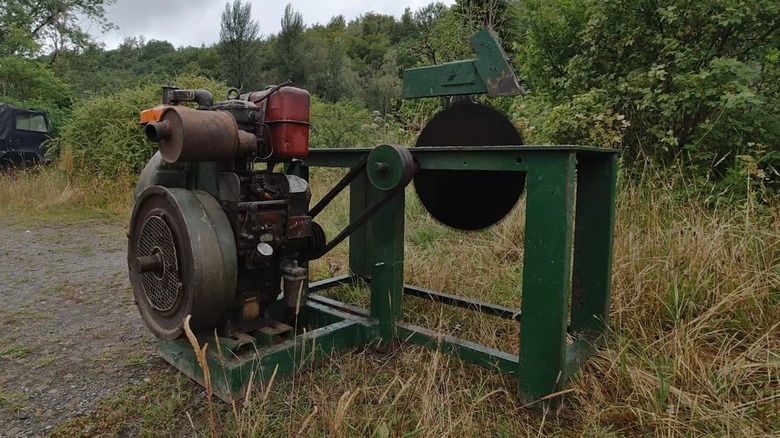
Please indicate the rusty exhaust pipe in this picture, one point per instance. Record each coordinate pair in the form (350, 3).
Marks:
(158, 131)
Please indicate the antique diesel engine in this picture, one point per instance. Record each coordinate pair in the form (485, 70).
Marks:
(212, 235)
(218, 234)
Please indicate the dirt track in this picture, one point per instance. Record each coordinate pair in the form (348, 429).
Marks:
(69, 331)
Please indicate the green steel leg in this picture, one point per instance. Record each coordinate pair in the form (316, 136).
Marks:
(595, 217)
(359, 240)
(546, 275)
(576, 354)
(387, 264)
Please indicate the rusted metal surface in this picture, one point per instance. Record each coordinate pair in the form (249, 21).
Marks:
(299, 227)
(173, 95)
(150, 263)
(247, 143)
(294, 277)
(158, 130)
(187, 135)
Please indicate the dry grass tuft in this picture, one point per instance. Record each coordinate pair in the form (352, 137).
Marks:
(52, 192)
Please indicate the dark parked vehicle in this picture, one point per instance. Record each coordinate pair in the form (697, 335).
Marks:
(22, 133)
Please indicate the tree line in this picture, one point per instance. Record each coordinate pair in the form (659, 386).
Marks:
(690, 86)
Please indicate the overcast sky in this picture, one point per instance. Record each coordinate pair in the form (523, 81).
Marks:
(196, 22)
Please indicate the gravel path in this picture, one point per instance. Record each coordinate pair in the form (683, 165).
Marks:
(69, 331)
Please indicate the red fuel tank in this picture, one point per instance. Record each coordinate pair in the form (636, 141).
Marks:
(287, 117)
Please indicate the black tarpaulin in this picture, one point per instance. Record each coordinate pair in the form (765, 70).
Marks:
(22, 130)
(6, 120)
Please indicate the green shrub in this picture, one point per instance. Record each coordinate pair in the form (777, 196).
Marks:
(340, 124)
(32, 84)
(104, 136)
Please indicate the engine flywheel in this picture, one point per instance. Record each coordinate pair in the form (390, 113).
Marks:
(182, 260)
(469, 200)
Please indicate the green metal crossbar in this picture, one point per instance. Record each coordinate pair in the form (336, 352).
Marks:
(490, 73)
(566, 274)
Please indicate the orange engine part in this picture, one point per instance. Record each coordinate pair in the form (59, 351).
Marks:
(287, 117)
(152, 114)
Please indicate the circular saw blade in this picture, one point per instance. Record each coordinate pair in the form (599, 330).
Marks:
(469, 200)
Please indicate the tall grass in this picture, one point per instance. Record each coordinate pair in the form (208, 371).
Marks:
(694, 347)
(55, 193)
(695, 341)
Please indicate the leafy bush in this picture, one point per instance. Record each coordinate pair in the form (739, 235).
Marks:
(347, 123)
(588, 119)
(104, 136)
(694, 87)
(338, 124)
(32, 84)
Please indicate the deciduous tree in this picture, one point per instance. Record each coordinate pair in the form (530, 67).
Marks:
(239, 44)
(288, 49)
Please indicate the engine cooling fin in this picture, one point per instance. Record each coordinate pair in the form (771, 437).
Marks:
(469, 200)
(160, 284)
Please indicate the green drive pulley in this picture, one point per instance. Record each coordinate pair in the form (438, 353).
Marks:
(390, 166)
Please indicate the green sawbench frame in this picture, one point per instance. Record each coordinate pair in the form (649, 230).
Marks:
(566, 273)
